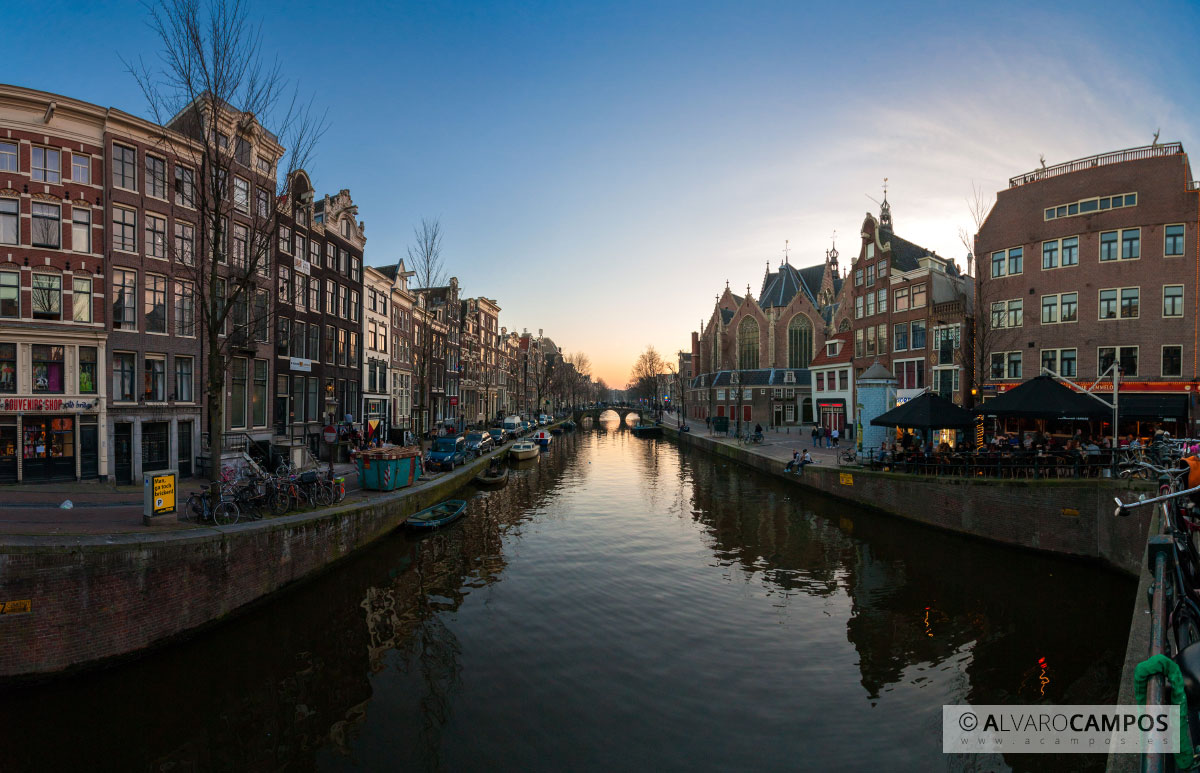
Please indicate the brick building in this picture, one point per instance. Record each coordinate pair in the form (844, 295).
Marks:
(318, 304)
(53, 282)
(832, 377)
(775, 336)
(1090, 263)
(481, 360)
(401, 355)
(911, 310)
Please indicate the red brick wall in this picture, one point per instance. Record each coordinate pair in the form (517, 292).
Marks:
(1018, 220)
(95, 598)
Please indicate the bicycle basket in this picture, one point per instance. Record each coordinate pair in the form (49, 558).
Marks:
(308, 477)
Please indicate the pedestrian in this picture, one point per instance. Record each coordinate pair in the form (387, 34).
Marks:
(816, 436)
(836, 434)
(825, 436)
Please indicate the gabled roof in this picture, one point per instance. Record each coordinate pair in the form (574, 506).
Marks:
(780, 287)
(726, 315)
(845, 353)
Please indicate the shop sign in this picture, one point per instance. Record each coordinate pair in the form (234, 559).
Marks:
(45, 404)
(904, 395)
(22, 607)
(300, 364)
(303, 267)
(159, 494)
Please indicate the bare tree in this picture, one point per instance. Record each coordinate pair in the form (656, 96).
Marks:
(425, 263)
(425, 254)
(214, 94)
(646, 378)
(979, 204)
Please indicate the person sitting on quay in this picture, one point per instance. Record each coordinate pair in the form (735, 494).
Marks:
(805, 458)
(793, 462)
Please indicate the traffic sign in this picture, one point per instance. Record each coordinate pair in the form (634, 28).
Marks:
(329, 434)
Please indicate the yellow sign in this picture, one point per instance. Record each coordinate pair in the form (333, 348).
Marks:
(846, 478)
(163, 488)
(1070, 512)
(15, 607)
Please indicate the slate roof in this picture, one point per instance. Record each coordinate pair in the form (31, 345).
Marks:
(763, 377)
(780, 287)
(726, 315)
(906, 256)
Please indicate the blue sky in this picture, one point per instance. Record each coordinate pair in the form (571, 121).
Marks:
(603, 169)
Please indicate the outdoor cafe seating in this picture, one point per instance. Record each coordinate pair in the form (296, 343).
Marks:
(1055, 438)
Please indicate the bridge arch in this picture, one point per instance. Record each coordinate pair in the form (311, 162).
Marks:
(621, 410)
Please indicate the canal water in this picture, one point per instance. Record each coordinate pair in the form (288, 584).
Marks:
(620, 604)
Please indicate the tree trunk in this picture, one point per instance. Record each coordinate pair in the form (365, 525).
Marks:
(216, 405)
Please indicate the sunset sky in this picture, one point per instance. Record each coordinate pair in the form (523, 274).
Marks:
(602, 169)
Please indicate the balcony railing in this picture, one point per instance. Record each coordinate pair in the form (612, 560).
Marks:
(1103, 159)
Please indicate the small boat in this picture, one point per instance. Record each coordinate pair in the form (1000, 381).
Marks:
(556, 430)
(523, 449)
(542, 437)
(493, 477)
(569, 426)
(647, 430)
(438, 515)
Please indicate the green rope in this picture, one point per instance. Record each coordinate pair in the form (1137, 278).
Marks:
(1161, 664)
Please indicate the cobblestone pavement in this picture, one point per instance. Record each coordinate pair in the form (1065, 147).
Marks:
(101, 508)
(777, 444)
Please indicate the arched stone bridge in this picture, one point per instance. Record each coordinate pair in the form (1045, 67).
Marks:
(620, 410)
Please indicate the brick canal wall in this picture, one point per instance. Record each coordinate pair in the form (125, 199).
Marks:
(97, 598)
(1070, 517)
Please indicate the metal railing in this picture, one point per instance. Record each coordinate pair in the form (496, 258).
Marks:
(1103, 159)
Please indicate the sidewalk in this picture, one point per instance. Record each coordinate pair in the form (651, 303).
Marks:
(103, 508)
(777, 444)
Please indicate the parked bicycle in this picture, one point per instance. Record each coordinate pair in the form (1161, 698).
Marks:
(1181, 522)
(200, 507)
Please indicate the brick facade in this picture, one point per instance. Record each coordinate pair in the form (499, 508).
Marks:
(1108, 254)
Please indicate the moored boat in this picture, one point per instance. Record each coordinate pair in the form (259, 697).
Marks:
(523, 449)
(647, 430)
(438, 515)
(556, 430)
(543, 437)
(493, 477)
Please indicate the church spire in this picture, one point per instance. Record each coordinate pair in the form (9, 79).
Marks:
(885, 209)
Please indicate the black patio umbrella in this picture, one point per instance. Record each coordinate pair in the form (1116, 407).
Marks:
(1044, 398)
(926, 411)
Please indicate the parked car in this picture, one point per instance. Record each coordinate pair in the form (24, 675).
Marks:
(479, 443)
(499, 436)
(448, 452)
(543, 420)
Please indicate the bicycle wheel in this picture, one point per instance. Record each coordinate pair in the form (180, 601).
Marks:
(193, 509)
(281, 500)
(225, 513)
(323, 492)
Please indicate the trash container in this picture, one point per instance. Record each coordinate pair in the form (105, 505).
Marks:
(388, 469)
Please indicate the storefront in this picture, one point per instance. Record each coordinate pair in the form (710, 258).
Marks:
(49, 439)
(833, 415)
(375, 418)
(51, 409)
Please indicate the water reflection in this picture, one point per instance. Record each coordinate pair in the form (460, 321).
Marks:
(620, 602)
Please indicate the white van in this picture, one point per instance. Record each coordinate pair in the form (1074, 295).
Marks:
(512, 425)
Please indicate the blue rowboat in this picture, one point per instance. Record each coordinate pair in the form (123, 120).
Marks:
(438, 515)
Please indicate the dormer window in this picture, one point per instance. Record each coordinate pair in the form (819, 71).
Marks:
(789, 377)
(346, 228)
